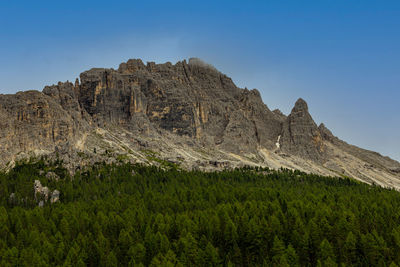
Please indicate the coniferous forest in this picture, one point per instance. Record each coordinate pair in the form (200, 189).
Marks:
(135, 215)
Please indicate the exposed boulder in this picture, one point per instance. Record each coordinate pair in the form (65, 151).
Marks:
(220, 164)
(12, 200)
(55, 196)
(52, 176)
(42, 193)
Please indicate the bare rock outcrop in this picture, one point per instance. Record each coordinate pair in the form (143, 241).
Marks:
(55, 196)
(187, 113)
(42, 193)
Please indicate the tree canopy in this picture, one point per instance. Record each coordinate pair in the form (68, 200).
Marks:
(135, 215)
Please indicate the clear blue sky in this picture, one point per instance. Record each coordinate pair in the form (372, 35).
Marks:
(341, 56)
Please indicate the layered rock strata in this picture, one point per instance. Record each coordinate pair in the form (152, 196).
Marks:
(186, 113)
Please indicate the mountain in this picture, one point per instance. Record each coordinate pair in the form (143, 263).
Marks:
(188, 114)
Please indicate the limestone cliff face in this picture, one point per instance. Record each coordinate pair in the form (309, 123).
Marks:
(189, 99)
(188, 113)
(33, 121)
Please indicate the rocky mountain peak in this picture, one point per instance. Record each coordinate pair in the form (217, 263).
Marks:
(132, 65)
(300, 106)
(188, 112)
(301, 135)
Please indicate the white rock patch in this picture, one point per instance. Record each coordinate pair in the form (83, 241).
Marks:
(278, 145)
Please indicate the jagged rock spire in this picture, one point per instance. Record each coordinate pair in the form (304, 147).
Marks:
(301, 135)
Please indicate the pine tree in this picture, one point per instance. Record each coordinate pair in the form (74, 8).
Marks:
(111, 260)
(211, 257)
(325, 250)
(350, 249)
(9, 257)
(278, 250)
(291, 256)
(137, 253)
